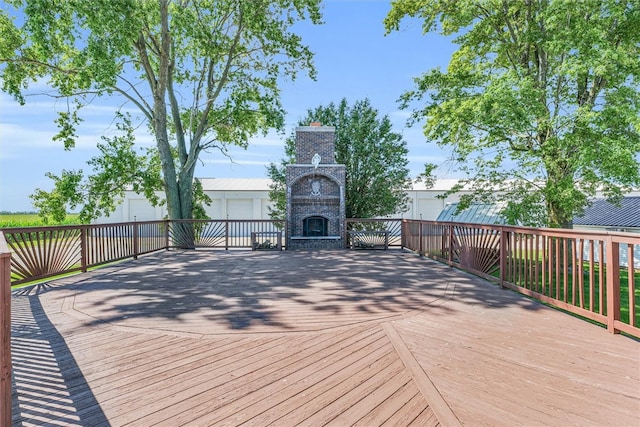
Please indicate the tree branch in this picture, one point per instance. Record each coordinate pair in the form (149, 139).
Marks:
(212, 94)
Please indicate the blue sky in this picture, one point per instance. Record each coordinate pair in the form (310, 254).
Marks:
(353, 57)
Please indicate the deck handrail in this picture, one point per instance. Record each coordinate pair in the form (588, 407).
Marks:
(579, 271)
(43, 252)
(538, 262)
(393, 227)
(5, 333)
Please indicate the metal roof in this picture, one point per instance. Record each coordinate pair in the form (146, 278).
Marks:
(477, 213)
(604, 214)
(235, 184)
(262, 184)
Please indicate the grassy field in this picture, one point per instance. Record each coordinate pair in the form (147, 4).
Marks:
(8, 220)
(553, 287)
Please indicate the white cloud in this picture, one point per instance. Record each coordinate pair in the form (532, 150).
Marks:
(401, 114)
(428, 159)
(47, 108)
(21, 137)
(268, 141)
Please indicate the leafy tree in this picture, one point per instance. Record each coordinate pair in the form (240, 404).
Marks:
(540, 103)
(118, 168)
(203, 74)
(375, 157)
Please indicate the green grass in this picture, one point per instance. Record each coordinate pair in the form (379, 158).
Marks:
(11, 220)
(551, 287)
(65, 274)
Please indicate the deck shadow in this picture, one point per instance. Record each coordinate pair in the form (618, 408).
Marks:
(48, 387)
(244, 290)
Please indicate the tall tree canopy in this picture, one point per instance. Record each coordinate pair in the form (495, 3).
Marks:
(540, 103)
(203, 74)
(375, 157)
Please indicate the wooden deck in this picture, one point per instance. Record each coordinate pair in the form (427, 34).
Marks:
(213, 338)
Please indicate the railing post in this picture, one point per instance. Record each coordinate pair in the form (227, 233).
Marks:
(504, 237)
(420, 239)
(450, 252)
(5, 333)
(226, 234)
(136, 241)
(613, 284)
(83, 249)
(345, 233)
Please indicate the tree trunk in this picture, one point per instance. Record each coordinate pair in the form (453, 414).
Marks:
(558, 187)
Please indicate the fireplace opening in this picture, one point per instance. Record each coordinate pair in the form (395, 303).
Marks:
(315, 226)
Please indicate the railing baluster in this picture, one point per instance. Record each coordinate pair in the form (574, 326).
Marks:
(547, 264)
(631, 284)
(136, 240)
(83, 249)
(504, 237)
(613, 284)
(580, 274)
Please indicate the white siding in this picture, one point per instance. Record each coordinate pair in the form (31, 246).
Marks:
(428, 209)
(240, 209)
(141, 210)
(214, 211)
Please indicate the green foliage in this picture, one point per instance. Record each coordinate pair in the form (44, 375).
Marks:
(540, 104)
(203, 75)
(117, 169)
(18, 220)
(200, 199)
(278, 187)
(375, 156)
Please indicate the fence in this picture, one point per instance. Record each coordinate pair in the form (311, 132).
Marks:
(5, 333)
(221, 234)
(392, 227)
(592, 274)
(42, 252)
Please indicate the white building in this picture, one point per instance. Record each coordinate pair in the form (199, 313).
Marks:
(248, 198)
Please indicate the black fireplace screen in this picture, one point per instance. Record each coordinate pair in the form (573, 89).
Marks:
(315, 226)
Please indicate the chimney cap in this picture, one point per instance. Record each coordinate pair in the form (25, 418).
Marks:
(315, 124)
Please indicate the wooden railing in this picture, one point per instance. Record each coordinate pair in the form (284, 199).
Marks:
(588, 273)
(42, 252)
(5, 333)
(393, 227)
(221, 234)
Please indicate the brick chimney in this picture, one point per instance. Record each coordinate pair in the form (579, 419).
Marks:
(315, 139)
(315, 191)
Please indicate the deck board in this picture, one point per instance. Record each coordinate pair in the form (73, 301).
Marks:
(201, 338)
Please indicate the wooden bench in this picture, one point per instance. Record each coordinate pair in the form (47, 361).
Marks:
(376, 239)
(259, 243)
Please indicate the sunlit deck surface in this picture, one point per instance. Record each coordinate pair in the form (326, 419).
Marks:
(212, 338)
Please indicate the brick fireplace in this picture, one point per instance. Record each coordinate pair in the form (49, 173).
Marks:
(315, 191)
